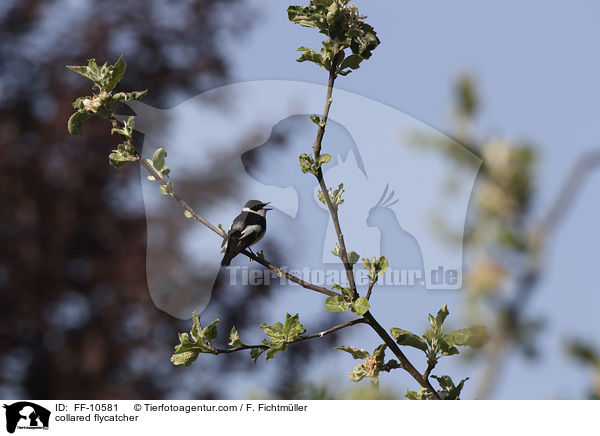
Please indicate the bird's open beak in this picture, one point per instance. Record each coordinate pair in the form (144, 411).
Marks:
(267, 208)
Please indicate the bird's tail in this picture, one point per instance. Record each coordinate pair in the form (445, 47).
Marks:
(226, 260)
(229, 254)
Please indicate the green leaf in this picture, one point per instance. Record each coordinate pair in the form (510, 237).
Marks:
(337, 195)
(353, 257)
(336, 304)
(404, 337)
(441, 316)
(336, 251)
(335, 19)
(364, 41)
(334, 196)
(357, 353)
(210, 331)
(333, 12)
(375, 267)
(444, 381)
(167, 189)
(393, 364)
(475, 336)
(196, 330)
(127, 128)
(196, 342)
(360, 306)
(79, 102)
(90, 71)
(358, 373)
(421, 394)
(379, 353)
(309, 55)
(82, 70)
(124, 153)
(327, 53)
(352, 62)
(445, 348)
(323, 158)
(274, 332)
(347, 292)
(436, 323)
(255, 353)
(75, 123)
(274, 349)
(128, 96)
(113, 75)
(458, 389)
(136, 95)
(449, 390)
(324, 2)
(369, 266)
(234, 337)
(309, 16)
(307, 163)
(282, 334)
(381, 265)
(158, 160)
(184, 357)
(292, 327)
(316, 119)
(188, 214)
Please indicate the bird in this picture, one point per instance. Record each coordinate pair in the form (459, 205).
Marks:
(246, 229)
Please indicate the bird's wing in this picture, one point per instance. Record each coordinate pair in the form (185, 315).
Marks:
(250, 230)
(254, 224)
(235, 228)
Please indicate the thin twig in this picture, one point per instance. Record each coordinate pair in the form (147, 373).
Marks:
(298, 339)
(430, 367)
(371, 284)
(291, 277)
(319, 174)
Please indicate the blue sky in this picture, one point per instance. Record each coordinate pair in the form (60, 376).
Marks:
(537, 67)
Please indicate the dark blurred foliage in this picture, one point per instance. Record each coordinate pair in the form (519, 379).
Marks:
(76, 320)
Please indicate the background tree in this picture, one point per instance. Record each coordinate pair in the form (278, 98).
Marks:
(74, 303)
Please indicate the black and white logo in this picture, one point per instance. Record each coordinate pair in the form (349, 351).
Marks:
(26, 415)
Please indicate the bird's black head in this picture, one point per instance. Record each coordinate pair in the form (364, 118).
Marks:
(256, 205)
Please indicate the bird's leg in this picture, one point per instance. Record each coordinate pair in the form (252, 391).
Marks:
(250, 249)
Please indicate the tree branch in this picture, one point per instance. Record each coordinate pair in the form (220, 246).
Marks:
(406, 365)
(319, 174)
(584, 165)
(427, 372)
(298, 339)
(291, 277)
(371, 284)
